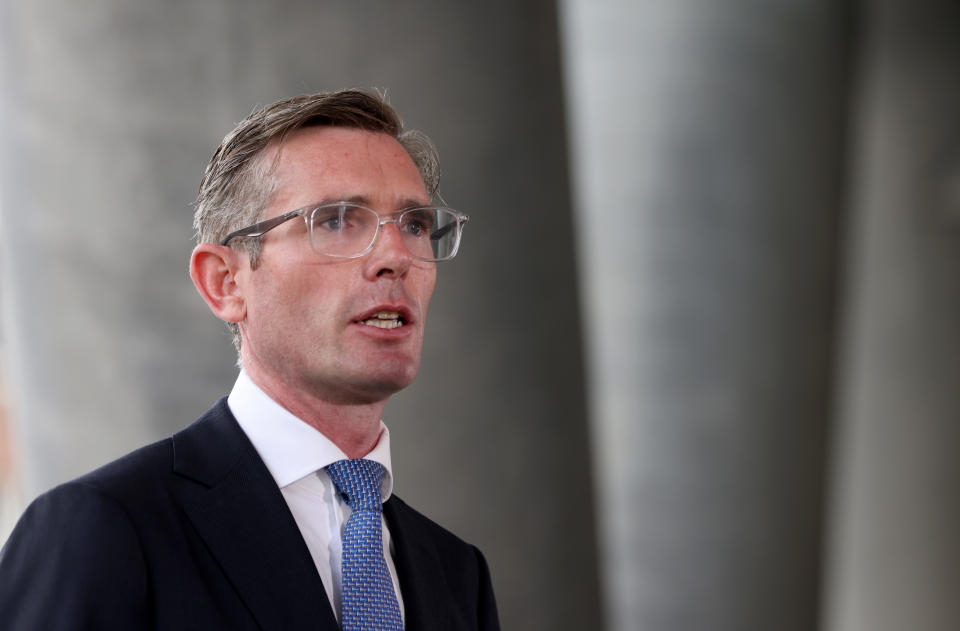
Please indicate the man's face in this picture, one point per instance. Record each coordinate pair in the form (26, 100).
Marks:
(309, 320)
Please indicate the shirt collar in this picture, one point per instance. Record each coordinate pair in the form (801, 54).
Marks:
(289, 447)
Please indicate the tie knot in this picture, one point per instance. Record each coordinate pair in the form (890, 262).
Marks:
(359, 481)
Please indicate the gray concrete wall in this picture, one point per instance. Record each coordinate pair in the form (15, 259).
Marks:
(708, 144)
(111, 110)
(895, 548)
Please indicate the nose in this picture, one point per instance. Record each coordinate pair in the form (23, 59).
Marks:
(390, 257)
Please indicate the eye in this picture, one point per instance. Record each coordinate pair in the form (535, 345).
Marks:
(328, 222)
(418, 223)
(334, 218)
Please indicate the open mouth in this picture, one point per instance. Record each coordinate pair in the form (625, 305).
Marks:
(384, 320)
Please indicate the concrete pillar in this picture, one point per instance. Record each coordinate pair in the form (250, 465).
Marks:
(111, 110)
(708, 150)
(895, 551)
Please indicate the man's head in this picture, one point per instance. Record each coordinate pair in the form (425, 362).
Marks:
(238, 182)
(313, 322)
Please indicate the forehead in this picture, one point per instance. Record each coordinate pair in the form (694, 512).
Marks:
(319, 164)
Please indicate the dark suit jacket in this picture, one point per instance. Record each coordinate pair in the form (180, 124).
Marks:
(193, 533)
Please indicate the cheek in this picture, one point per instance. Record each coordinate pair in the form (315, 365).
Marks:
(321, 301)
(278, 301)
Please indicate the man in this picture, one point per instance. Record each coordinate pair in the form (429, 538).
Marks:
(318, 246)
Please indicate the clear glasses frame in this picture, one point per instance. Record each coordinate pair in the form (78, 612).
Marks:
(399, 219)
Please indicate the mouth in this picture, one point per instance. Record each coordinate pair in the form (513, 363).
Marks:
(384, 320)
(386, 317)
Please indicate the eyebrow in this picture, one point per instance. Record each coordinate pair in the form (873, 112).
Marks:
(363, 200)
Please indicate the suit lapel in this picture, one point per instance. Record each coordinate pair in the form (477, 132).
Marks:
(425, 598)
(247, 526)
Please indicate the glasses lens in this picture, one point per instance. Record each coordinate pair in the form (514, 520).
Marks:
(431, 234)
(342, 229)
(348, 230)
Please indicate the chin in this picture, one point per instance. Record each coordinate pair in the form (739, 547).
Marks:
(392, 373)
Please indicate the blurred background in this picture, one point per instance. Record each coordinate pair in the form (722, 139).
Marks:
(707, 300)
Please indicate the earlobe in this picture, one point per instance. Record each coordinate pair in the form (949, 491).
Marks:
(213, 271)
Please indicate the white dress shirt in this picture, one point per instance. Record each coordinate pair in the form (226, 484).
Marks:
(295, 454)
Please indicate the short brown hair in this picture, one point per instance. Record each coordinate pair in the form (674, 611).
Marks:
(238, 182)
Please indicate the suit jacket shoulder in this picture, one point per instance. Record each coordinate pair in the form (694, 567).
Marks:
(187, 533)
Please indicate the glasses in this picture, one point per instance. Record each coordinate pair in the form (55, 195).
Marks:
(348, 230)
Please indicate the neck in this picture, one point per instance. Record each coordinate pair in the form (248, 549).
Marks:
(353, 427)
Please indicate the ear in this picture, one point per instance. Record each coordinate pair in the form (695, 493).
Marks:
(213, 269)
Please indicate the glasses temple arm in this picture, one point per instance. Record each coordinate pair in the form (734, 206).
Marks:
(261, 228)
(437, 234)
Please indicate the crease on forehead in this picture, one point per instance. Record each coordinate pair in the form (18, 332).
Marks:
(272, 155)
(274, 151)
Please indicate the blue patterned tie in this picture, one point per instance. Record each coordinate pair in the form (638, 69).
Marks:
(369, 601)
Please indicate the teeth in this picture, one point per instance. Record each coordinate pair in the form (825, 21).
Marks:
(383, 324)
(385, 320)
